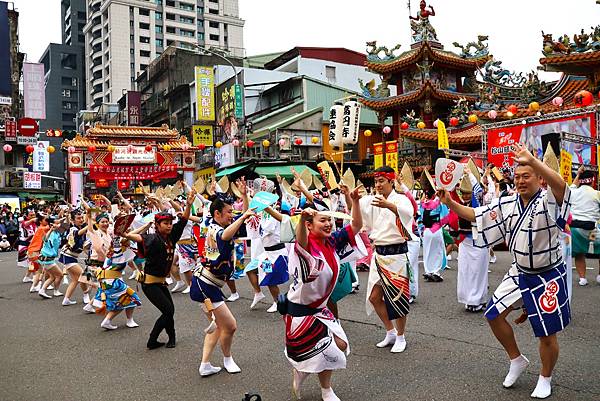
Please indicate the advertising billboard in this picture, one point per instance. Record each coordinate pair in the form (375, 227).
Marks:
(536, 135)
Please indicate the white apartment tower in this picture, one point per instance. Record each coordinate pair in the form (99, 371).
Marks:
(123, 36)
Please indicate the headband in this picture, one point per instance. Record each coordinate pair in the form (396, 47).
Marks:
(101, 216)
(389, 175)
(586, 180)
(158, 217)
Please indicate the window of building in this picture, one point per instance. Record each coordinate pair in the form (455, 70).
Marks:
(144, 39)
(330, 72)
(213, 11)
(213, 24)
(158, 1)
(200, 36)
(186, 20)
(9, 158)
(159, 43)
(67, 105)
(80, 26)
(68, 61)
(65, 81)
(144, 11)
(81, 38)
(132, 66)
(145, 53)
(131, 37)
(131, 51)
(158, 16)
(186, 6)
(81, 15)
(169, 42)
(144, 25)
(143, 67)
(170, 29)
(158, 29)
(131, 24)
(185, 32)
(171, 17)
(214, 37)
(68, 117)
(170, 3)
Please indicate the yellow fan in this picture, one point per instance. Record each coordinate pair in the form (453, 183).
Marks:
(223, 184)
(550, 159)
(318, 183)
(177, 190)
(328, 176)
(362, 191)
(426, 179)
(497, 174)
(286, 186)
(235, 190)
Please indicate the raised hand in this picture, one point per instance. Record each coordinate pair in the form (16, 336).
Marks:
(522, 156)
(380, 201)
(308, 212)
(240, 183)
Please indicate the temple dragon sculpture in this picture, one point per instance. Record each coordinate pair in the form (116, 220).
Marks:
(581, 42)
(480, 48)
(374, 52)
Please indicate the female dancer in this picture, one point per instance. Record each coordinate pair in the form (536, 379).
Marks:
(433, 215)
(310, 327)
(159, 249)
(48, 255)
(101, 241)
(69, 255)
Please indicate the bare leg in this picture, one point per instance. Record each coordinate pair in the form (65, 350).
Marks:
(400, 324)
(187, 276)
(210, 342)
(325, 378)
(332, 306)
(227, 326)
(231, 285)
(505, 334)
(274, 290)
(580, 265)
(376, 299)
(74, 273)
(548, 354)
(253, 278)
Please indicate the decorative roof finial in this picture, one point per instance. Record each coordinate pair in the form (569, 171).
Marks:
(420, 25)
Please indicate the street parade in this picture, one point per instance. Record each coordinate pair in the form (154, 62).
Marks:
(413, 222)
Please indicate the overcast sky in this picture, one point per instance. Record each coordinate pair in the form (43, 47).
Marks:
(513, 26)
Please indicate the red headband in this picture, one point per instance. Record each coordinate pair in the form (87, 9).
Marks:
(389, 175)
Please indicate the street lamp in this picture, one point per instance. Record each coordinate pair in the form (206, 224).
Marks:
(219, 55)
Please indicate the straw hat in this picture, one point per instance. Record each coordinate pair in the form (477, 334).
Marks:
(408, 178)
(362, 191)
(348, 179)
(474, 170)
(223, 184)
(200, 185)
(550, 159)
(427, 180)
(465, 185)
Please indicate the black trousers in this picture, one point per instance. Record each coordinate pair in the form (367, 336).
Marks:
(160, 297)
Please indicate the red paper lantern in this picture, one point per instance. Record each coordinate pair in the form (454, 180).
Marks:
(91, 149)
(250, 143)
(298, 141)
(148, 148)
(29, 149)
(512, 108)
(583, 98)
(202, 146)
(156, 180)
(454, 121)
(404, 125)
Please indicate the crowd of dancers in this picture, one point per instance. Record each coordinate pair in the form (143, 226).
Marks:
(305, 247)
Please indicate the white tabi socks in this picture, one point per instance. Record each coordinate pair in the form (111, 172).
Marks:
(257, 298)
(543, 389)
(390, 339)
(207, 369)
(399, 344)
(328, 395)
(517, 366)
(230, 365)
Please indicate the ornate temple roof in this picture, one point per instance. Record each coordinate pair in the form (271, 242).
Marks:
(100, 131)
(442, 58)
(566, 88)
(85, 141)
(468, 135)
(426, 90)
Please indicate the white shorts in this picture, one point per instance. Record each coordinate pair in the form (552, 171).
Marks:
(215, 305)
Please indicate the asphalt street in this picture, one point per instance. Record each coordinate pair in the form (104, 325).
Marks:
(51, 352)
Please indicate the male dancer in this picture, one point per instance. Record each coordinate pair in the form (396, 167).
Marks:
(530, 222)
(389, 216)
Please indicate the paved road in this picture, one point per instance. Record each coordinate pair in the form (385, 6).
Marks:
(51, 352)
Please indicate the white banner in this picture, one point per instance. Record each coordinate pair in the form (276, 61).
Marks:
(41, 157)
(34, 89)
(225, 156)
(32, 180)
(134, 154)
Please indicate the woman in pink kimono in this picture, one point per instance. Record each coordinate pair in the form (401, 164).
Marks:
(315, 341)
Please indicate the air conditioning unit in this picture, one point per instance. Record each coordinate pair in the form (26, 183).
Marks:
(21, 169)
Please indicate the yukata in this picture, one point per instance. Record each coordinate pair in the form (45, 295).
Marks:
(26, 232)
(309, 326)
(187, 248)
(473, 264)
(268, 254)
(73, 247)
(433, 216)
(114, 293)
(390, 266)
(537, 275)
(50, 249)
(215, 267)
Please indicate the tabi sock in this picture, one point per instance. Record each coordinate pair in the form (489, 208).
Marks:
(390, 338)
(207, 369)
(328, 395)
(230, 365)
(543, 389)
(517, 366)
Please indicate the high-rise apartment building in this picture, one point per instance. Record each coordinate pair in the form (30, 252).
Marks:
(123, 36)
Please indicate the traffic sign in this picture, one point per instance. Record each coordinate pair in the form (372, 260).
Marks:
(27, 126)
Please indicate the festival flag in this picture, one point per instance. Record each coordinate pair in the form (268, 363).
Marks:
(442, 136)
